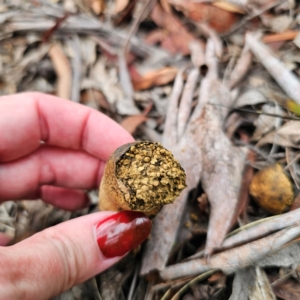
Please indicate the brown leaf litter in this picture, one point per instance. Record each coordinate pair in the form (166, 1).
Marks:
(212, 82)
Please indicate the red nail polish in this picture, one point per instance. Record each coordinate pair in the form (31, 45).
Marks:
(122, 232)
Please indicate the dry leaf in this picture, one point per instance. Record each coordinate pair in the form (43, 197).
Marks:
(249, 97)
(154, 78)
(218, 19)
(120, 5)
(264, 123)
(286, 136)
(277, 23)
(97, 6)
(132, 122)
(285, 256)
(97, 97)
(229, 7)
(262, 289)
(287, 290)
(177, 38)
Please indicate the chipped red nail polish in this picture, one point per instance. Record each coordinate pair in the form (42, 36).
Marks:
(122, 232)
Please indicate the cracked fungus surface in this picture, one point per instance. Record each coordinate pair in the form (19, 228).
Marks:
(151, 175)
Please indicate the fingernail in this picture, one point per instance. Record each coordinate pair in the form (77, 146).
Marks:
(122, 232)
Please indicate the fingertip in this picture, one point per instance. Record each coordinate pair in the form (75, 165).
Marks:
(5, 239)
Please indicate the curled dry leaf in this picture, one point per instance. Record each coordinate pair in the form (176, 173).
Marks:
(154, 78)
(272, 189)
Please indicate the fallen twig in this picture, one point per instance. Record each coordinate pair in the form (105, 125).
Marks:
(63, 71)
(234, 259)
(285, 79)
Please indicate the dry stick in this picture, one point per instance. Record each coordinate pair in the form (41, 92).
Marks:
(81, 24)
(288, 151)
(127, 104)
(282, 36)
(192, 282)
(174, 284)
(231, 260)
(186, 101)
(212, 74)
(208, 32)
(133, 282)
(63, 71)
(285, 79)
(125, 79)
(197, 53)
(76, 64)
(255, 231)
(241, 68)
(135, 25)
(171, 120)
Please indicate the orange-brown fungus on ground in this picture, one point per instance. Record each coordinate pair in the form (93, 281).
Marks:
(272, 189)
(141, 176)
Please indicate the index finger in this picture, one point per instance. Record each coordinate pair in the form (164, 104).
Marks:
(29, 118)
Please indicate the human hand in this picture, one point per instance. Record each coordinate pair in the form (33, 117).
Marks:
(76, 142)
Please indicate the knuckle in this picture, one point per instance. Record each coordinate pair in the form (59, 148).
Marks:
(69, 256)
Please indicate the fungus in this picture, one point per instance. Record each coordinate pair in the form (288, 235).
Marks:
(141, 176)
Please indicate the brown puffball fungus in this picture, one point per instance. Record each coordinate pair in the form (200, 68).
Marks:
(141, 176)
(272, 189)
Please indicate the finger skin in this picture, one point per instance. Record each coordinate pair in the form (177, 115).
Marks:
(5, 239)
(22, 178)
(53, 260)
(28, 118)
(64, 198)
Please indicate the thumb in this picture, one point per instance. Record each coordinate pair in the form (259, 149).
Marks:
(59, 257)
